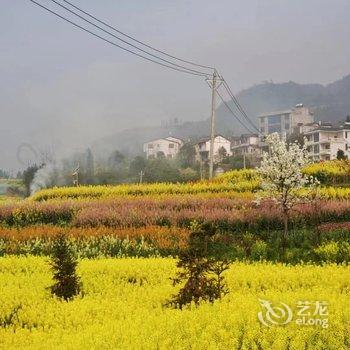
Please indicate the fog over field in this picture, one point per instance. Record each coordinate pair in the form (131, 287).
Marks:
(63, 89)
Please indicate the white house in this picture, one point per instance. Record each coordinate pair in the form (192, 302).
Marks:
(166, 147)
(246, 144)
(202, 148)
(324, 141)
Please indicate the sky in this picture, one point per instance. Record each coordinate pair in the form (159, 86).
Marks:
(62, 88)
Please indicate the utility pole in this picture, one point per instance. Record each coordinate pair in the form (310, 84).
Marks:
(212, 122)
(75, 176)
(201, 168)
(141, 176)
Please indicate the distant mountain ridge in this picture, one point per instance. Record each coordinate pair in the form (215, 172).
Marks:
(328, 102)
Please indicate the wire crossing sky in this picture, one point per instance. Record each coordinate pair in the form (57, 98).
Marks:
(132, 38)
(53, 75)
(170, 64)
(184, 70)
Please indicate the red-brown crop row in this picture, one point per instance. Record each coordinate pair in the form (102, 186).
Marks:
(228, 214)
(161, 237)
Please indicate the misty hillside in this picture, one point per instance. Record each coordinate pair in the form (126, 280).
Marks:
(329, 103)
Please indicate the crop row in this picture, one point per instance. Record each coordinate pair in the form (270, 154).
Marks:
(328, 172)
(245, 189)
(325, 244)
(227, 214)
(331, 172)
(101, 241)
(144, 190)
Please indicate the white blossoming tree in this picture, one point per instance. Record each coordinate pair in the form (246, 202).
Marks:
(282, 177)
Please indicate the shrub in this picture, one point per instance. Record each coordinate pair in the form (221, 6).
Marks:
(259, 250)
(201, 273)
(333, 252)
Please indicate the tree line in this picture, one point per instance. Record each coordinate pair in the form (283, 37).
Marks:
(118, 168)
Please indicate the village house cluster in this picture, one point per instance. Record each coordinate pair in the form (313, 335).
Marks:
(324, 140)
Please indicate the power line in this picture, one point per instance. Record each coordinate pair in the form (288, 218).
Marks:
(132, 38)
(233, 113)
(168, 64)
(125, 41)
(235, 100)
(113, 43)
(238, 105)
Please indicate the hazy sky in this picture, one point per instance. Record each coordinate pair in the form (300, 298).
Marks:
(63, 88)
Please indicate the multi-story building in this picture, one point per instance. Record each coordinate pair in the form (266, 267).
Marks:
(324, 141)
(284, 122)
(221, 145)
(246, 144)
(167, 147)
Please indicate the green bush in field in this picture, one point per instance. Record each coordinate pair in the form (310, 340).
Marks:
(259, 250)
(333, 252)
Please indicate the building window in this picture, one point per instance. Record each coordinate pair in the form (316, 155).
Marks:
(171, 145)
(316, 149)
(275, 119)
(150, 146)
(316, 137)
(346, 134)
(286, 122)
(274, 124)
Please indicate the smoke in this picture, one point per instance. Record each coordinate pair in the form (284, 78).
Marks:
(46, 176)
(59, 172)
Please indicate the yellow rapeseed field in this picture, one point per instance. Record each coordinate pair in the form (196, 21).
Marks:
(244, 190)
(155, 189)
(121, 308)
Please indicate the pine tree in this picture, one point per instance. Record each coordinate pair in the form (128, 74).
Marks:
(64, 264)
